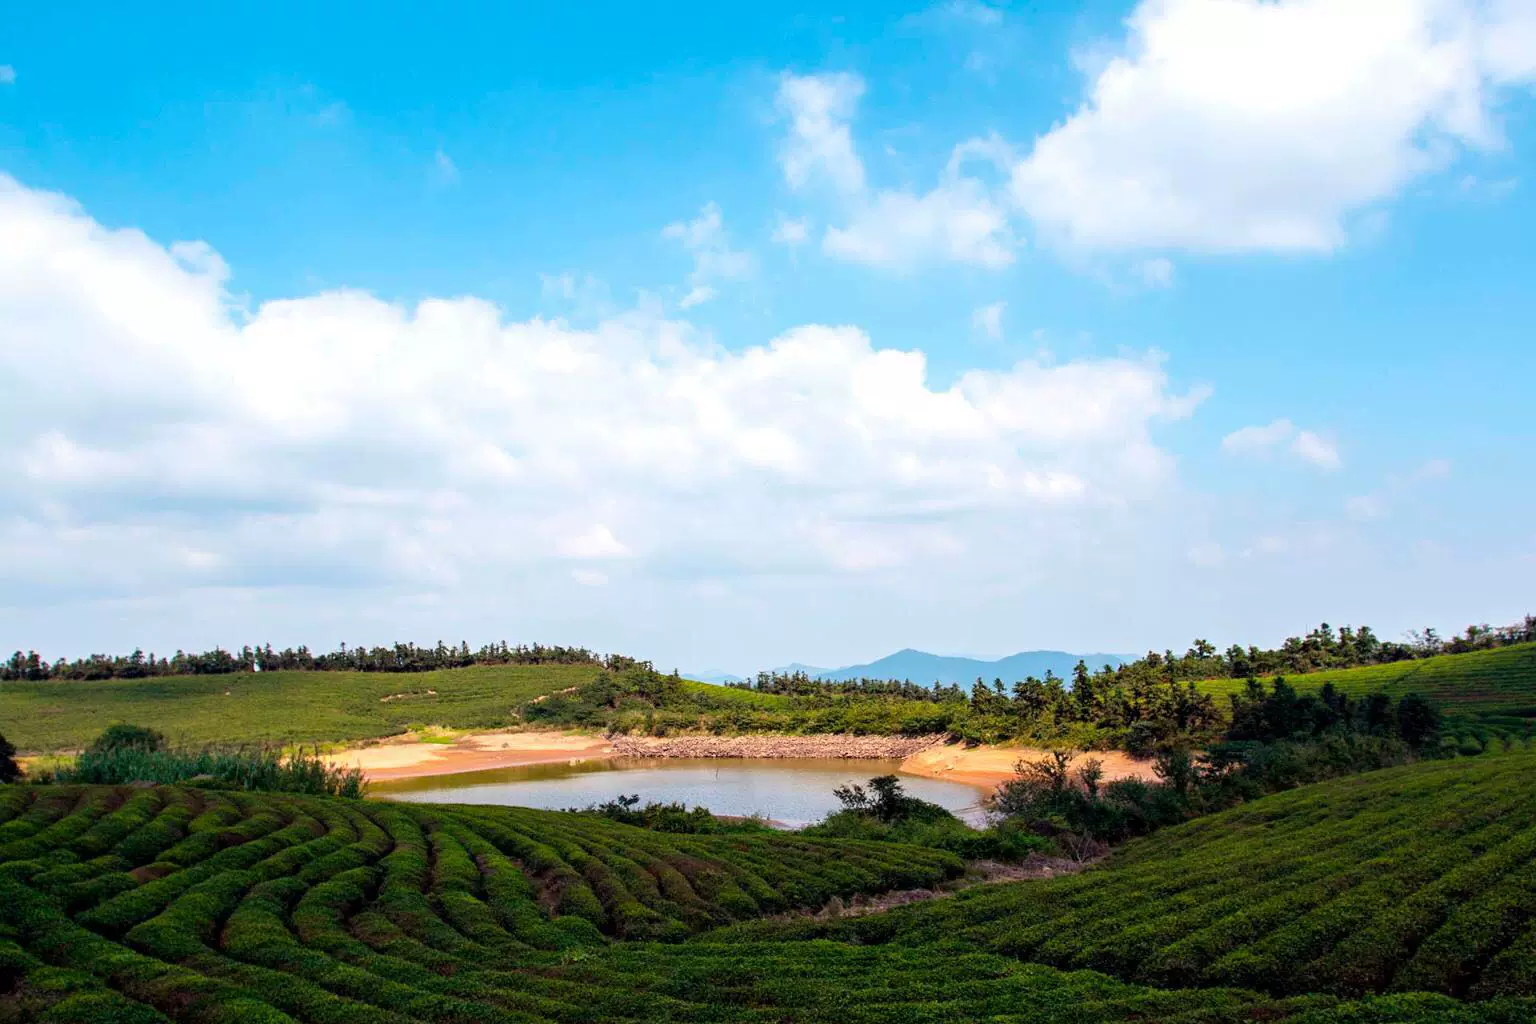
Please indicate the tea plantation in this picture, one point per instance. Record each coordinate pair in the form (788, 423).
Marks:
(1482, 693)
(1420, 878)
(1405, 895)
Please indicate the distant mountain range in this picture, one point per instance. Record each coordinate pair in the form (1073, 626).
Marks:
(922, 667)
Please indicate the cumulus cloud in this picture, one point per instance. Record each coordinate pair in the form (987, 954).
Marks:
(1282, 434)
(819, 143)
(597, 542)
(1316, 449)
(1259, 438)
(160, 436)
(957, 221)
(962, 219)
(988, 320)
(791, 231)
(713, 258)
(1230, 125)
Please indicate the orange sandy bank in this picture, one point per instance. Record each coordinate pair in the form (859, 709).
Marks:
(409, 758)
(988, 766)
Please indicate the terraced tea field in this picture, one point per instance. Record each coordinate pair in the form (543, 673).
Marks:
(1481, 692)
(146, 905)
(1420, 878)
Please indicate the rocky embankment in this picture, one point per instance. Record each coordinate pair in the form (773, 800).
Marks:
(826, 745)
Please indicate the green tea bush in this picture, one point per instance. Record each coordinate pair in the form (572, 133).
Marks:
(1402, 896)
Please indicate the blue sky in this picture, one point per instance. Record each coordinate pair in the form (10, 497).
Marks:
(732, 337)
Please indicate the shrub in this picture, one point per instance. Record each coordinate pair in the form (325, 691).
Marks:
(127, 737)
(10, 771)
(239, 769)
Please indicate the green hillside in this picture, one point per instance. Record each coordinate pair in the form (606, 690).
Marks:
(1480, 691)
(278, 706)
(146, 905)
(1421, 878)
(1484, 693)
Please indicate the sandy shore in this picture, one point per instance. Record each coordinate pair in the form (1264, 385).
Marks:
(775, 745)
(410, 758)
(988, 766)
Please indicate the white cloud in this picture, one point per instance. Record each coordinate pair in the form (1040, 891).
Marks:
(961, 220)
(444, 171)
(713, 258)
(791, 232)
(1229, 125)
(1259, 438)
(340, 440)
(597, 542)
(957, 221)
(819, 145)
(1265, 440)
(988, 320)
(1317, 450)
(7, 74)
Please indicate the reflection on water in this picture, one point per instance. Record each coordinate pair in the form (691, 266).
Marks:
(794, 791)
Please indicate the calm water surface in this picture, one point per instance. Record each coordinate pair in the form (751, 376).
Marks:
(794, 791)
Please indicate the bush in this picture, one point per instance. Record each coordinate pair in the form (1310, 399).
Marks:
(1007, 841)
(885, 813)
(10, 771)
(127, 737)
(675, 818)
(239, 769)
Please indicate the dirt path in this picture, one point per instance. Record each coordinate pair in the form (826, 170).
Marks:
(409, 757)
(988, 766)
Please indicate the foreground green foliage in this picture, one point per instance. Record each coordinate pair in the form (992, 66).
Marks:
(198, 906)
(885, 812)
(1420, 878)
(266, 770)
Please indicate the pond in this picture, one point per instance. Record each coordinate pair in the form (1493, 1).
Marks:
(790, 791)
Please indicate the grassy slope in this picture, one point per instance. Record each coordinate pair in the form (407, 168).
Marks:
(287, 707)
(1495, 688)
(264, 908)
(1481, 684)
(1420, 878)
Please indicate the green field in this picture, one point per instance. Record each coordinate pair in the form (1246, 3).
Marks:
(275, 707)
(1481, 692)
(1484, 693)
(1420, 878)
(141, 905)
